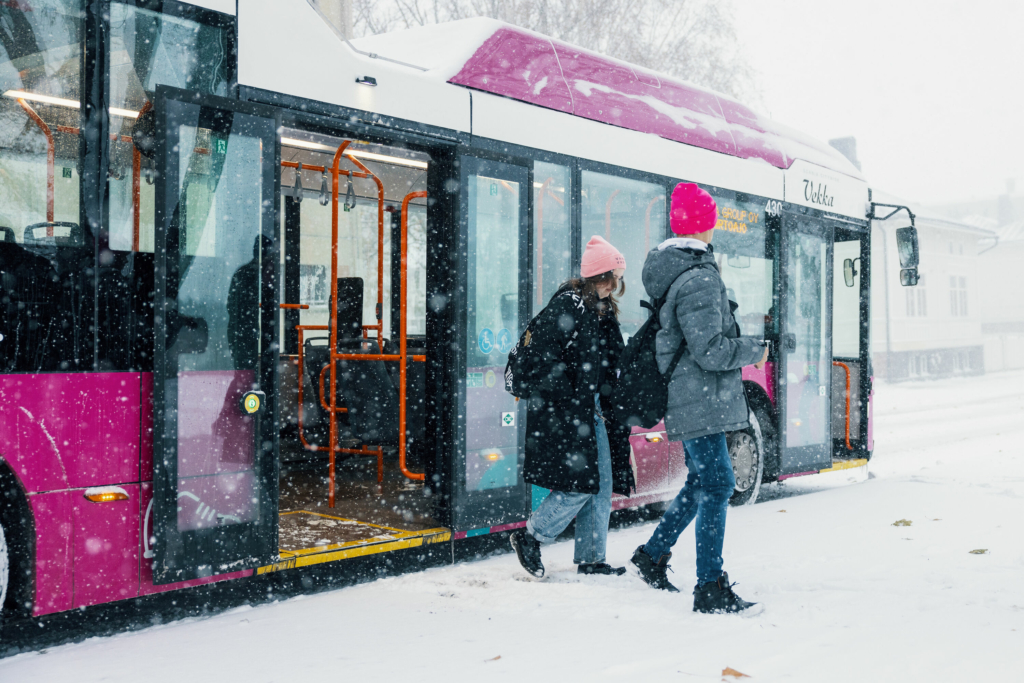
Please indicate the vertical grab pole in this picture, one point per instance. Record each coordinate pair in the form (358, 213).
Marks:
(137, 184)
(403, 322)
(51, 157)
(332, 413)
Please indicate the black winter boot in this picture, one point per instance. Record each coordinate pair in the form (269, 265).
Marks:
(716, 597)
(528, 551)
(599, 568)
(653, 573)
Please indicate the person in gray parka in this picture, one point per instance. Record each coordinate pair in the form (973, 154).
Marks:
(705, 395)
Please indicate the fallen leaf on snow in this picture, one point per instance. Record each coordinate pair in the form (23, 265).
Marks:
(729, 671)
(781, 510)
(902, 522)
(980, 551)
(493, 659)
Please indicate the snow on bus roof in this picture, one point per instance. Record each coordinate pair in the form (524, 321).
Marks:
(498, 58)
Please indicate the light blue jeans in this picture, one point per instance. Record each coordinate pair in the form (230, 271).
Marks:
(592, 510)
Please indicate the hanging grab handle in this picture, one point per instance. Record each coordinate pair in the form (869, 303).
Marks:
(350, 195)
(298, 183)
(325, 189)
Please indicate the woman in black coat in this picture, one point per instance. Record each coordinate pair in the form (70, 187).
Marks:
(570, 447)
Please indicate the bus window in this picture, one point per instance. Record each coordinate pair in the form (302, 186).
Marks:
(846, 299)
(147, 48)
(631, 215)
(44, 252)
(745, 264)
(552, 236)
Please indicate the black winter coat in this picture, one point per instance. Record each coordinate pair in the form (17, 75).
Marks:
(561, 446)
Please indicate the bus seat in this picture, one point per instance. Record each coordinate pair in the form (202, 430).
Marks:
(415, 392)
(350, 308)
(64, 234)
(370, 396)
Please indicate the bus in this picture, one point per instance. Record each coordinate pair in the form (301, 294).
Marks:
(258, 283)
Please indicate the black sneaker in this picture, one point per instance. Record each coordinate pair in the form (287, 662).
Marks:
(528, 551)
(653, 573)
(599, 568)
(716, 597)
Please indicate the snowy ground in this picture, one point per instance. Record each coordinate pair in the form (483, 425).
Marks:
(848, 596)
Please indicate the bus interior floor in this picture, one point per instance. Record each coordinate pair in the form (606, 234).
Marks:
(363, 512)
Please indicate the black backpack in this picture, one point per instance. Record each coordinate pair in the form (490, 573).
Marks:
(523, 364)
(640, 396)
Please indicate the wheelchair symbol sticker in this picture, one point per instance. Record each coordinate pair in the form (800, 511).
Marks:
(504, 340)
(485, 340)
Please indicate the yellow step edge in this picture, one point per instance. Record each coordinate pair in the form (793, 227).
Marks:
(845, 465)
(384, 538)
(352, 549)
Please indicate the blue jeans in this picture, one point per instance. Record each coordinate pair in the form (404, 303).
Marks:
(591, 510)
(705, 495)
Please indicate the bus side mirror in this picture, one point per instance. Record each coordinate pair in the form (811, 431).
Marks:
(909, 277)
(906, 245)
(849, 271)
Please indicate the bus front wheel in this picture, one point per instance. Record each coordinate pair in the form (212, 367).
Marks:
(746, 450)
(5, 571)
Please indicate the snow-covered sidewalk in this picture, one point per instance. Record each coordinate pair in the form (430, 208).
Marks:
(848, 595)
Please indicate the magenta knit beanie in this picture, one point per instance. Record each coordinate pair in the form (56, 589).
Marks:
(693, 210)
(600, 257)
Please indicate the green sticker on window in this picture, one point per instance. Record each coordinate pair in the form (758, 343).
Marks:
(65, 173)
(494, 189)
(474, 380)
(222, 146)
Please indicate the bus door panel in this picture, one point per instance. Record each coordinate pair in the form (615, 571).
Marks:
(493, 306)
(805, 353)
(850, 314)
(215, 438)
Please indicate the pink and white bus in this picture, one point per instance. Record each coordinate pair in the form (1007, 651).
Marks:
(258, 284)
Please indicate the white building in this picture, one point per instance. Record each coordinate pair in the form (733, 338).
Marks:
(935, 328)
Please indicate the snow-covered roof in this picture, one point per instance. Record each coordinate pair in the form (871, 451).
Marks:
(489, 55)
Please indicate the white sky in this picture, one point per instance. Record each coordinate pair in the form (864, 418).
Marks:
(933, 90)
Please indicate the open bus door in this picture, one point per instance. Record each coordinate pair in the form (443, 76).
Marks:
(493, 306)
(805, 344)
(215, 409)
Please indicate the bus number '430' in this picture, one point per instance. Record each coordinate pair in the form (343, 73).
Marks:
(773, 207)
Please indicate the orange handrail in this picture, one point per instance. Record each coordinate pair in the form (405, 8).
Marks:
(137, 185)
(332, 408)
(51, 158)
(403, 322)
(846, 368)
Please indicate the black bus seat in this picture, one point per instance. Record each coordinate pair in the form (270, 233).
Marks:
(350, 308)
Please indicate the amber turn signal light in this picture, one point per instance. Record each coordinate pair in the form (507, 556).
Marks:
(653, 438)
(107, 494)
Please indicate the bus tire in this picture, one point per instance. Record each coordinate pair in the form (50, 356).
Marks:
(5, 571)
(747, 453)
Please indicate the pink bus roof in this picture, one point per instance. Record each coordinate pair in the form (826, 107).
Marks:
(530, 67)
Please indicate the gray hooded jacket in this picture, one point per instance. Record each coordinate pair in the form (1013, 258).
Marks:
(705, 394)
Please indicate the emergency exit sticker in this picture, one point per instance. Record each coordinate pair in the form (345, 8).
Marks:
(508, 419)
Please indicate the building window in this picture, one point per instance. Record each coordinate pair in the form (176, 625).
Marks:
(958, 296)
(917, 300)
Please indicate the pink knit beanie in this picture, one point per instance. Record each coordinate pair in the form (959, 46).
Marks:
(693, 210)
(600, 257)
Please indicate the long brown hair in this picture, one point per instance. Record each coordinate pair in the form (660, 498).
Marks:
(586, 288)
